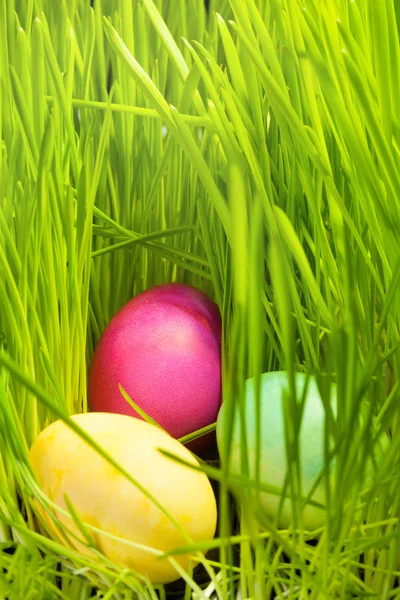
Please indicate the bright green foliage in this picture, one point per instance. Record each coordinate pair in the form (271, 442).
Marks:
(274, 186)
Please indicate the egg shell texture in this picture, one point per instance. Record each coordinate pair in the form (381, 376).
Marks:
(164, 348)
(104, 498)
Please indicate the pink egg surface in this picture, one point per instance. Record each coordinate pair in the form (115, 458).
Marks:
(164, 348)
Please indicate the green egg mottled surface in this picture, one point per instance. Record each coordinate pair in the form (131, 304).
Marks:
(273, 467)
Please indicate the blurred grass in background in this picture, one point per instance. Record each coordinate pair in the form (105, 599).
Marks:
(251, 151)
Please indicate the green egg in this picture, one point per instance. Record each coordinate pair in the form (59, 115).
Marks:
(273, 463)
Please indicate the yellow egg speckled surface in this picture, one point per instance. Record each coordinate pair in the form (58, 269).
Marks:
(104, 498)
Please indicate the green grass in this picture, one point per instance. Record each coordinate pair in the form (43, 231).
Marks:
(275, 188)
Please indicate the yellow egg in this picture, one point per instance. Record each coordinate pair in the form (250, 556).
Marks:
(104, 498)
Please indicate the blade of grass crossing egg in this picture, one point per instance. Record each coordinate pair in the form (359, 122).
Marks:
(234, 390)
(257, 264)
(280, 275)
(61, 414)
(137, 408)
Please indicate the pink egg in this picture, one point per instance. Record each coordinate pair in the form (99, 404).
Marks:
(164, 348)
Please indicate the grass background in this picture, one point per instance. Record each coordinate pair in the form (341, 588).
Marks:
(252, 151)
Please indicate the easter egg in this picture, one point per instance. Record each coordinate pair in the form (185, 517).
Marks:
(273, 459)
(164, 348)
(105, 499)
